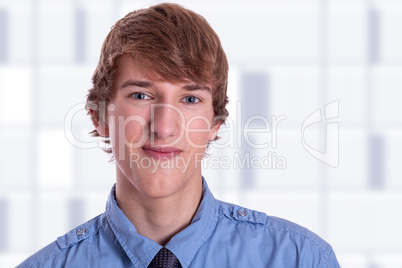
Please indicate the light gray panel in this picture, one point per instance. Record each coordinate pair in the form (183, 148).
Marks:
(255, 94)
(3, 35)
(254, 102)
(16, 164)
(80, 35)
(75, 212)
(3, 225)
(373, 36)
(376, 176)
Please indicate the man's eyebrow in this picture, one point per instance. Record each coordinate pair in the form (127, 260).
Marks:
(143, 84)
(146, 84)
(196, 87)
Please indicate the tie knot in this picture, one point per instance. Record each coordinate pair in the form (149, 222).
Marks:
(164, 259)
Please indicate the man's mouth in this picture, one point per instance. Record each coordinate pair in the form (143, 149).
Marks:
(161, 152)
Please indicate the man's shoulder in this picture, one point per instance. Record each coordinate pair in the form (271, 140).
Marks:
(274, 227)
(269, 241)
(55, 252)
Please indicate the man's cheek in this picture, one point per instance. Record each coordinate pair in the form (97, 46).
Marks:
(197, 132)
(135, 131)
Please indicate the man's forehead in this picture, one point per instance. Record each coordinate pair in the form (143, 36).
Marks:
(145, 73)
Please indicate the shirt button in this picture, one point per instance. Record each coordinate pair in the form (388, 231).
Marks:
(242, 212)
(81, 231)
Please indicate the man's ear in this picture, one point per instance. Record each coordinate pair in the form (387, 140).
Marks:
(101, 127)
(214, 131)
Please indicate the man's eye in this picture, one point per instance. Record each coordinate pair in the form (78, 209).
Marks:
(191, 99)
(140, 96)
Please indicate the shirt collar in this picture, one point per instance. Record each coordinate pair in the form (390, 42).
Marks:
(184, 245)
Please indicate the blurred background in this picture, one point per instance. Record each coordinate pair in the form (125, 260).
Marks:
(288, 59)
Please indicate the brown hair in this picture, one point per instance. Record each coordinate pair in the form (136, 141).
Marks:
(169, 42)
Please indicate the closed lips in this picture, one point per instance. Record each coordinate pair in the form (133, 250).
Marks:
(161, 149)
(161, 152)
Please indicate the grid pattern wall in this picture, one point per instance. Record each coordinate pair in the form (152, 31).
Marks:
(290, 61)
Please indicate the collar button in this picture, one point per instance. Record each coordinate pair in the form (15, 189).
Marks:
(81, 231)
(242, 212)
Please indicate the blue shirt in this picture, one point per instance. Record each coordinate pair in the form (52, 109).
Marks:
(220, 235)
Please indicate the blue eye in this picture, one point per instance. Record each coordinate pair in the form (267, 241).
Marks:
(140, 96)
(191, 99)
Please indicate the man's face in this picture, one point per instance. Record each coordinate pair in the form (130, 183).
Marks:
(158, 130)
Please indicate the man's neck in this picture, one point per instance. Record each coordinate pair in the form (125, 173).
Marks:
(159, 218)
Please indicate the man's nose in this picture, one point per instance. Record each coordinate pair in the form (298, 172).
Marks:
(166, 121)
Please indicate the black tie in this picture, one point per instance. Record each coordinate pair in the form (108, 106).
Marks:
(164, 259)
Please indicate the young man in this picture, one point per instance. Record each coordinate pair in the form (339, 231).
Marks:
(158, 98)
